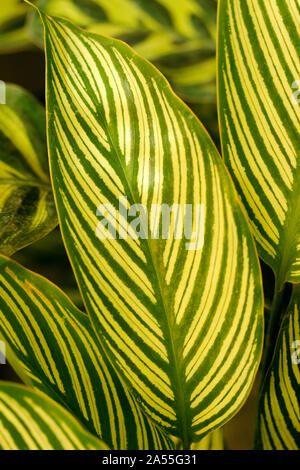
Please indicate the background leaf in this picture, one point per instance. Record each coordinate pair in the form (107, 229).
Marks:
(13, 35)
(31, 421)
(27, 211)
(259, 61)
(178, 37)
(54, 343)
(168, 317)
(279, 410)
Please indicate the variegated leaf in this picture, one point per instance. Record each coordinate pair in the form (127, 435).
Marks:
(259, 74)
(181, 319)
(178, 37)
(54, 343)
(29, 420)
(27, 211)
(279, 409)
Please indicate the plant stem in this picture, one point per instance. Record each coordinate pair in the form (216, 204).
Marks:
(186, 442)
(273, 328)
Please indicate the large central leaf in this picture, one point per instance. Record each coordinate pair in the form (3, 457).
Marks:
(183, 326)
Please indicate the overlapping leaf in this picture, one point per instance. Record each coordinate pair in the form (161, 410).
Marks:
(27, 211)
(259, 63)
(54, 343)
(183, 326)
(279, 410)
(179, 37)
(31, 421)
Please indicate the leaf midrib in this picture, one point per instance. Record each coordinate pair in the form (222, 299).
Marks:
(180, 394)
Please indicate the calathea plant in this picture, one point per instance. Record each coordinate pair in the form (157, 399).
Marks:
(173, 334)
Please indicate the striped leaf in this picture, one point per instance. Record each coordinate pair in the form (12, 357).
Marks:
(181, 323)
(279, 409)
(27, 211)
(54, 343)
(259, 64)
(31, 421)
(179, 37)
